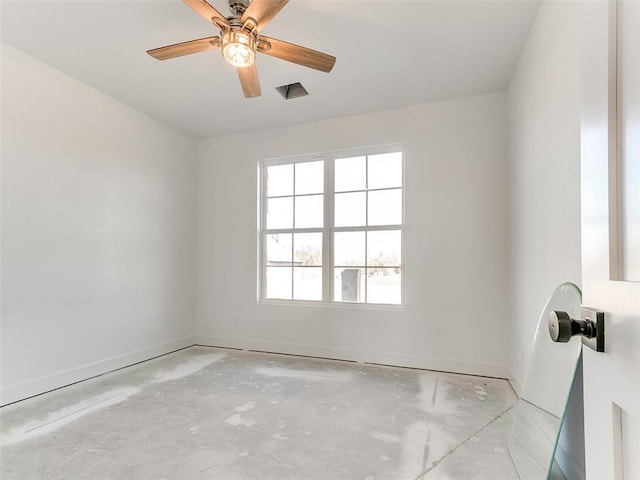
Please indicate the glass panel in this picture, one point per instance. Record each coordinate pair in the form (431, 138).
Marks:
(278, 282)
(384, 248)
(279, 180)
(309, 177)
(279, 249)
(350, 209)
(308, 249)
(384, 285)
(385, 171)
(385, 207)
(348, 285)
(280, 212)
(350, 174)
(545, 391)
(307, 283)
(310, 211)
(348, 248)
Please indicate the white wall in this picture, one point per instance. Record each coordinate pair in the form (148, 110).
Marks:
(97, 231)
(456, 240)
(544, 171)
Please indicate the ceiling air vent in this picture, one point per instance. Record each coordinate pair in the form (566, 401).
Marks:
(293, 90)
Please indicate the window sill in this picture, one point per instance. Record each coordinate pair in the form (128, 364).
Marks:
(321, 304)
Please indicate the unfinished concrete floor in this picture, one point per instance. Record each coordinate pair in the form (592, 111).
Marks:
(206, 413)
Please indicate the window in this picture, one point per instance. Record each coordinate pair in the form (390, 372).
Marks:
(331, 228)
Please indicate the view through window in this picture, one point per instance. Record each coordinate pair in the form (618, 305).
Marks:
(331, 228)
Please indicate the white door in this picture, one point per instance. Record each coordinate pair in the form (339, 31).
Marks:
(610, 144)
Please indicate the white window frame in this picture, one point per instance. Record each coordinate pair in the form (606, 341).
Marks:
(327, 229)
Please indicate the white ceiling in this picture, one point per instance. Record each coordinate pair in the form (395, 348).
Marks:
(390, 53)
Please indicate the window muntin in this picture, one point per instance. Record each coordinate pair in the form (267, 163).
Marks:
(332, 229)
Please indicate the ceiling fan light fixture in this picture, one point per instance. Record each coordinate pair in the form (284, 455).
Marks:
(239, 48)
(240, 40)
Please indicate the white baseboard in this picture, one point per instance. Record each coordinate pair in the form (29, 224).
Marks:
(514, 382)
(21, 391)
(385, 358)
(14, 393)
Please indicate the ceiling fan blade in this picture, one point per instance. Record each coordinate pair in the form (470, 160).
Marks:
(185, 48)
(297, 54)
(263, 11)
(249, 81)
(206, 11)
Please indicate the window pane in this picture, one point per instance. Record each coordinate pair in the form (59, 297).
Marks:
(280, 180)
(384, 248)
(383, 285)
(385, 207)
(308, 249)
(350, 174)
(278, 282)
(279, 249)
(280, 212)
(385, 171)
(350, 209)
(310, 211)
(348, 248)
(307, 283)
(348, 285)
(309, 177)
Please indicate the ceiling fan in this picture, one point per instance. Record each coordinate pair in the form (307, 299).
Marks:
(240, 39)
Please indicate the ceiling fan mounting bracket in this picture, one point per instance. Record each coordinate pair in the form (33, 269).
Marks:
(238, 7)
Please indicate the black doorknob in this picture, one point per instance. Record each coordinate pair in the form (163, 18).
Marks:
(562, 327)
